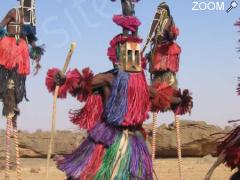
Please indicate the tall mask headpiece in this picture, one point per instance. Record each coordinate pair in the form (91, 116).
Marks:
(164, 19)
(29, 10)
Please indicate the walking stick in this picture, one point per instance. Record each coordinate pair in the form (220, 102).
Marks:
(72, 48)
(179, 148)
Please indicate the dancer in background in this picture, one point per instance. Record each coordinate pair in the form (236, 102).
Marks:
(17, 32)
(117, 103)
(229, 149)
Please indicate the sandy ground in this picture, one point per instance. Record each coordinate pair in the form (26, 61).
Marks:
(166, 169)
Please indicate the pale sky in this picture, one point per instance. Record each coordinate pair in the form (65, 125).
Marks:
(209, 61)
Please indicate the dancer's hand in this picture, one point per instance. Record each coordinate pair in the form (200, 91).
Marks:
(60, 78)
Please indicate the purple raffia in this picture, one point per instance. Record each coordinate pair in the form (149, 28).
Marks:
(140, 163)
(73, 164)
(104, 134)
(116, 106)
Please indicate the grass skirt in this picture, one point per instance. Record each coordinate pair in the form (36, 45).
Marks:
(14, 55)
(109, 153)
(19, 82)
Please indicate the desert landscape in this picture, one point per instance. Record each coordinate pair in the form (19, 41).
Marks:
(199, 141)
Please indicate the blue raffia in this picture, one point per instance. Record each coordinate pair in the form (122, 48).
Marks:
(116, 106)
(30, 32)
(104, 134)
(2, 32)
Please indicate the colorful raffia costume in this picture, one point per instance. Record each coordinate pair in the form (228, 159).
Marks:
(117, 103)
(163, 58)
(164, 64)
(15, 62)
(229, 149)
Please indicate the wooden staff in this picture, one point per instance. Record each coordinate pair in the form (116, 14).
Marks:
(179, 148)
(72, 48)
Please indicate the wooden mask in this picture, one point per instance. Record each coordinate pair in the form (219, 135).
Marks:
(130, 57)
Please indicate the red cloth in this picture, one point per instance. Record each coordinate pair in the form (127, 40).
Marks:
(166, 57)
(13, 55)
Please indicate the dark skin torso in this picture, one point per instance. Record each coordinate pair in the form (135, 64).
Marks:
(103, 82)
(11, 17)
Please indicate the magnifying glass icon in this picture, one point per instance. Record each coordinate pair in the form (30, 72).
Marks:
(233, 5)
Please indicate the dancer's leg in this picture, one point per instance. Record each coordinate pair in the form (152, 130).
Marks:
(15, 132)
(7, 163)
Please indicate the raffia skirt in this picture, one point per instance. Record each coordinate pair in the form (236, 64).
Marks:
(14, 65)
(109, 153)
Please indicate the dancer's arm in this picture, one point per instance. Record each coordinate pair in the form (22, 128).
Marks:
(164, 97)
(79, 84)
(7, 18)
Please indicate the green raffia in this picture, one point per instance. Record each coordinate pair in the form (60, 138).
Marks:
(106, 169)
(123, 171)
(3, 32)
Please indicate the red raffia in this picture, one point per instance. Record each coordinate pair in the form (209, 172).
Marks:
(186, 104)
(95, 163)
(85, 85)
(79, 84)
(90, 114)
(162, 100)
(119, 39)
(138, 100)
(233, 157)
(231, 149)
(51, 85)
(175, 31)
(129, 22)
(166, 57)
(13, 55)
